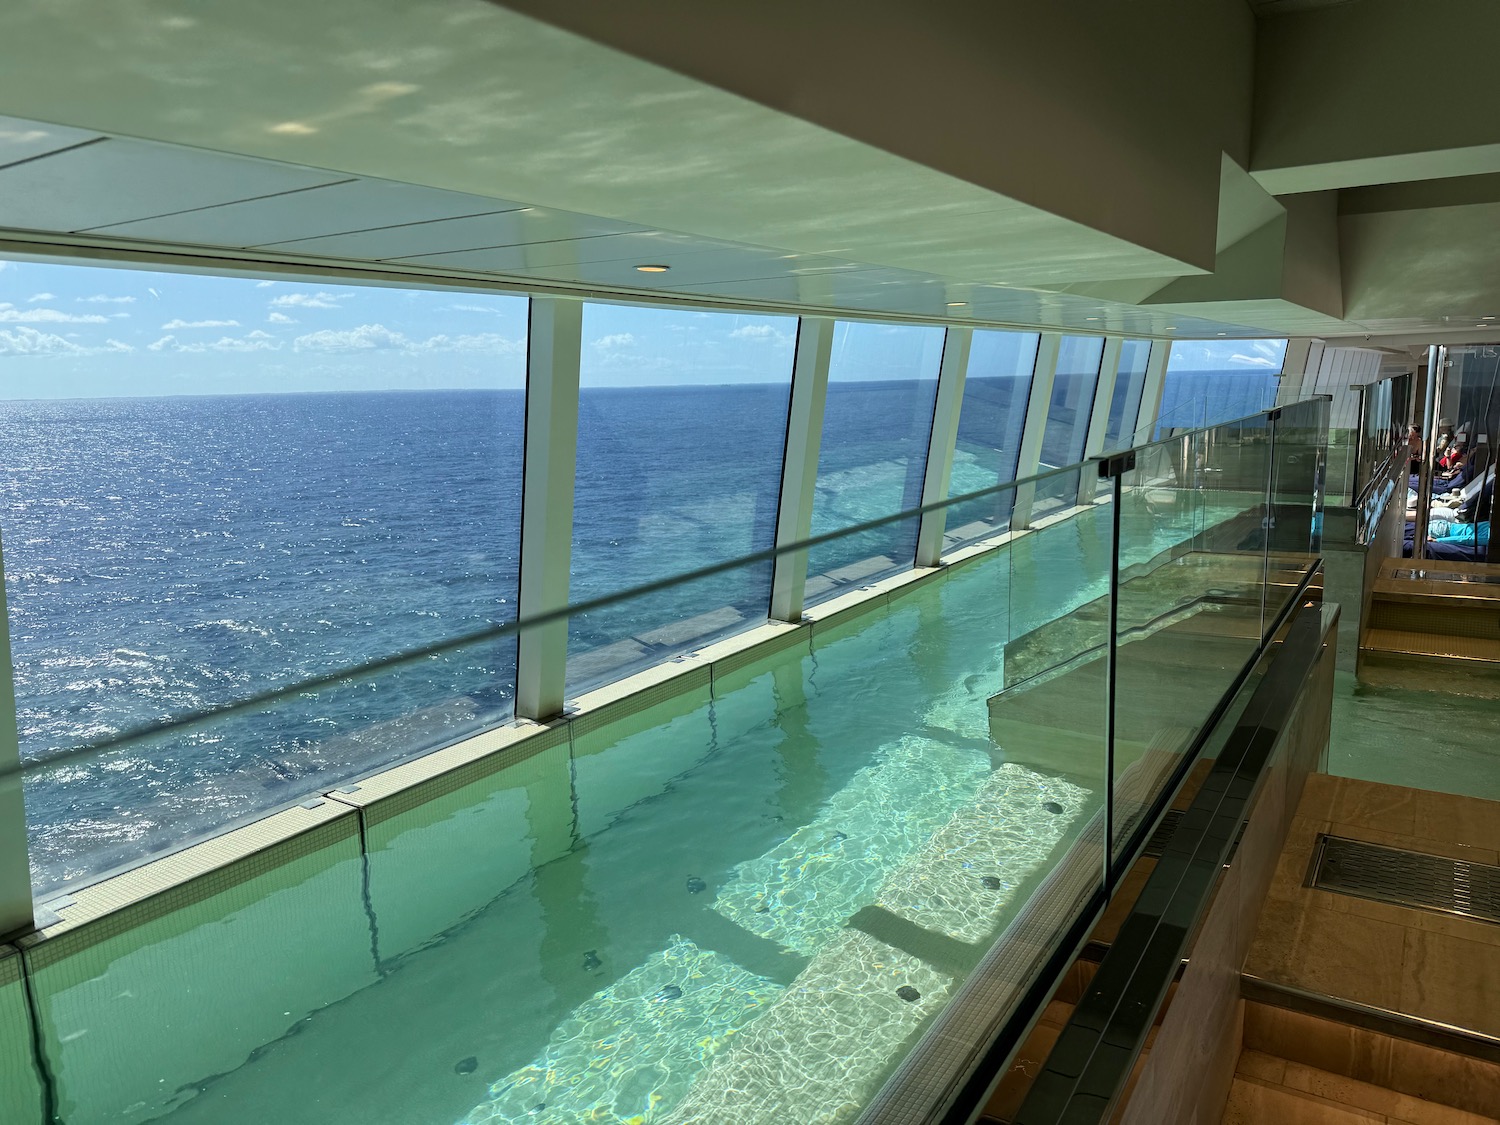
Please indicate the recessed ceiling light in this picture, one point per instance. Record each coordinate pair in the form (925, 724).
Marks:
(653, 269)
(958, 304)
(1091, 318)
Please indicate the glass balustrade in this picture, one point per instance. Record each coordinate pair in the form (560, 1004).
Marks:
(762, 879)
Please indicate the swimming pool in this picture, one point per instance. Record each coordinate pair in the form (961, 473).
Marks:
(746, 900)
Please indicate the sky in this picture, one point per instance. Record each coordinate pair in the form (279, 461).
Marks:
(78, 331)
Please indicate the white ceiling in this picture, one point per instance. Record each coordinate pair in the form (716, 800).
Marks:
(106, 191)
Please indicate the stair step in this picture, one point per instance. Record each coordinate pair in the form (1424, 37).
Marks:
(1448, 617)
(1428, 1064)
(1461, 651)
(1269, 1088)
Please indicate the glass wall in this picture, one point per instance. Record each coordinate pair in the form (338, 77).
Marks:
(1068, 415)
(1125, 403)
(990, 422)
(682, 422)
(217, 486)
(1213, 381)
(877, 422)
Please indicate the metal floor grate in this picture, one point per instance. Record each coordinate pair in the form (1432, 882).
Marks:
(1446, 576)
(1425, 882)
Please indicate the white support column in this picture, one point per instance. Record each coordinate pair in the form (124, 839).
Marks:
(553, 350)
(799, 467)
(1299, 372)
(15, 868)
(1036, 424)
(1156, 379)
(950, 398)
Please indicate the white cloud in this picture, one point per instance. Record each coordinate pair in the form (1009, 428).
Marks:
(767, 332)
(172, 324)
(41, 297)
(473, 308)
(319, 300)
(377, 337)
(251, 343)
(28, 341)
(616, 340)
(279, 318)
(11, 315)
(264, 284)
(256, 341)
(113, 345)
(491, 342)
(367, 337)
(101, 299)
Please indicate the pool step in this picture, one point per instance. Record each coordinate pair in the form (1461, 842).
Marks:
(856, 990)
(634, 1046)
(895, 964)
(801, 892)
(1437, 623)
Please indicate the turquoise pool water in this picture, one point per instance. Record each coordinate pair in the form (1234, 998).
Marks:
(685, 916)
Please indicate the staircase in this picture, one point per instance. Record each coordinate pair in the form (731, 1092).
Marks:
(1297, 1069)
(1445, 622)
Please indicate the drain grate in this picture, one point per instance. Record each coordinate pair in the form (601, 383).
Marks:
(1426, 882)
(1156, 846)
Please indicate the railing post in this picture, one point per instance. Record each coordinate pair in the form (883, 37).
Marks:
(1104, 393)
(1036, 425)
(15, 866)
(1113, 469)
(799, 466)
(1151, 388)
(950, 398)
(553, 350)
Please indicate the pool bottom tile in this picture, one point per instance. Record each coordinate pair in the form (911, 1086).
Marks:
(634, 1048)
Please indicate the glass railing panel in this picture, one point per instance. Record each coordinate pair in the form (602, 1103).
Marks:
(877, 423)
(757, 876)
(990, 422)
(20, 1085)
(158, 1014)
(1068, 414)
(139, 798)
(1191, 592)
(841, 825)
(682, 420)
(1295, 539)
(1213, 381)
(1125, 402)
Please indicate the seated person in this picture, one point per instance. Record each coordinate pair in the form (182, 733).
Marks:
(1447, 505)
(1456, 525)
(1453, 470)
(1465, 542)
